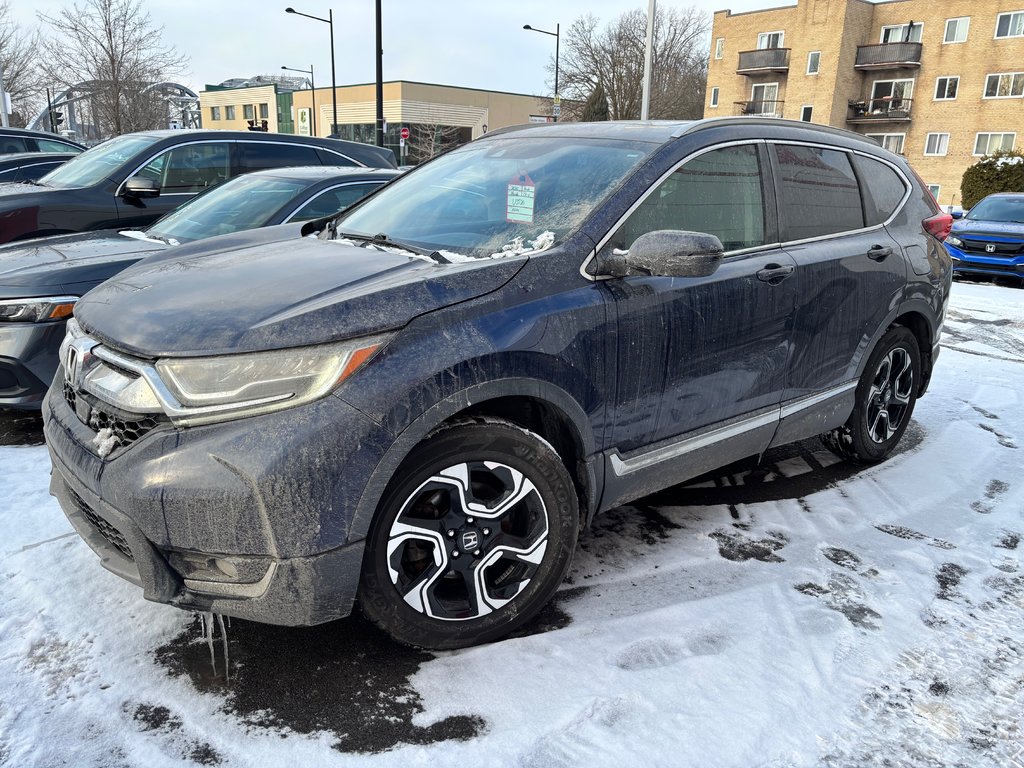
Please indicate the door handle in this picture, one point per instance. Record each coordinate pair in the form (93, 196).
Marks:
(773, 274)
(878, 252)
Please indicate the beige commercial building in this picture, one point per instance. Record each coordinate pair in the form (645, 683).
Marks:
(940, 82)
(435, 116)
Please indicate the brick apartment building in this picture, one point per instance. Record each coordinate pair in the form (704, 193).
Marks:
(940, 82)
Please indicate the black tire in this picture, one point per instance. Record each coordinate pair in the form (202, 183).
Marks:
(885, 398)
(471, 538)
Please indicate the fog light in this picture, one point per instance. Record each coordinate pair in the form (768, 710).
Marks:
(220, 568)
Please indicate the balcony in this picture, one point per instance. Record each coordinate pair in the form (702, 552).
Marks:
(764, 60)
(883, 110)
(888, 56)
(759, 108)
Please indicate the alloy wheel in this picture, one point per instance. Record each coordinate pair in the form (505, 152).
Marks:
(890, 394)
(467, 540)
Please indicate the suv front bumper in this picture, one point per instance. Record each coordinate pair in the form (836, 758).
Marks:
(240, 494)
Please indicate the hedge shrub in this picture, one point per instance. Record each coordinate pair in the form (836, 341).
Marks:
(998, 172)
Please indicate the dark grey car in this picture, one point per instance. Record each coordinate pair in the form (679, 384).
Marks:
(131, 181)
(41, 279)
(472, 363)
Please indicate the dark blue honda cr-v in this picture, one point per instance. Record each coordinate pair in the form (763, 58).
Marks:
(423, 405)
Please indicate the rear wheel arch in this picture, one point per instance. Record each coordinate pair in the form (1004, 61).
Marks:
(923, 332)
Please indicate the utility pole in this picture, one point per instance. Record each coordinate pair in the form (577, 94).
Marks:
(648, 57)
(380, 83)
(4, 119)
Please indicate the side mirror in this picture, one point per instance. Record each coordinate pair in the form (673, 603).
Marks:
(140, 186)
(666, 253)
(957, 214)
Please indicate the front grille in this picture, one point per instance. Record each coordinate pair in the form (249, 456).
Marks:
(1002, 250)
(125, 431)
(113, 536)
(69, 395)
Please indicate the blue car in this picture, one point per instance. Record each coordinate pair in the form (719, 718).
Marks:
(989, 240)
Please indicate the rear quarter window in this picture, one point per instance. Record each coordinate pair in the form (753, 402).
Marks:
(883, 189)
(818, 192)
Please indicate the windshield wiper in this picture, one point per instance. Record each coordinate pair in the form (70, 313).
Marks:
(383, 239)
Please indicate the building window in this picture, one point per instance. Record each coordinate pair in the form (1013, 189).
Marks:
(890, 94)
(813, 62)
(719, 47)
(902, 33)
(764, 100)
(987, 143)
(229, 112)
(1006, 85)
(770, 40)
(956, 30)
(936, 144)
(215, 113)
(891, 141)
(264, 111)
(714, 97)
(945, 88)
(248, 113)
(1010, 24)
(805, 113)
(934, 189)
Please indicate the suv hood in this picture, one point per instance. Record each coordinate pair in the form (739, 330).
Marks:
(267, 294)
(980, 226)
(68, 263)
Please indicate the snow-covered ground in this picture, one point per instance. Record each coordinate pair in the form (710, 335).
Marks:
(806, 613)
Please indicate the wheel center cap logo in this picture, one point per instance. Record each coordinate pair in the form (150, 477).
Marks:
(470, 540)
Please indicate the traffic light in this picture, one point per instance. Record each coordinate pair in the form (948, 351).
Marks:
(258, 125)
(56, 118)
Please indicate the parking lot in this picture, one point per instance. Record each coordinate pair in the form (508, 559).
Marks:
(804, 612)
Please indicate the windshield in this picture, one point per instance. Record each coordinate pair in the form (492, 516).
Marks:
(499, 195)
(96, 164)
(246, 202)
(999, 209)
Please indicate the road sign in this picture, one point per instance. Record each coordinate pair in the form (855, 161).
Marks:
(405, 133)
(556, 110)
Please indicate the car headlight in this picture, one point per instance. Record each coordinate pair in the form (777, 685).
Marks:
(955, 241)
(36, 310)
(229, 386)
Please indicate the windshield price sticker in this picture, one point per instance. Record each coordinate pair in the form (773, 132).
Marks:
(521, 192)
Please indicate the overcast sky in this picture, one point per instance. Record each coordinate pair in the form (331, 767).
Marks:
(471, 43)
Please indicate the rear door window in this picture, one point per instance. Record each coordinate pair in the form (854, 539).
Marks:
(12, 144)
(818, 192)
(332, 201)
(718, 193)
(883, 189)
(257, 156)
(333, 158)
(47, 145)
(189, 168)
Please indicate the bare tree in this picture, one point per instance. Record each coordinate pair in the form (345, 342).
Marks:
(613, 57)
(429, 139)
(19, 55)
(113, 46)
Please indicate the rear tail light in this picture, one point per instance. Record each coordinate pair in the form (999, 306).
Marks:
(938, 225)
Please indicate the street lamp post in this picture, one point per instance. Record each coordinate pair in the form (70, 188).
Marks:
(334, 83)
(556, 34)
(312, 89)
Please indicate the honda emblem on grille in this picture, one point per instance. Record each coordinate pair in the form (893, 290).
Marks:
(80, 359)
(990, 248)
